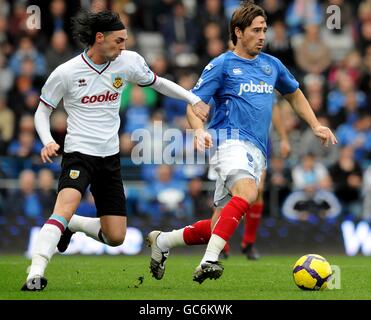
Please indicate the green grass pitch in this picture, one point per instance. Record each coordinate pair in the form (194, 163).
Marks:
(117, 277)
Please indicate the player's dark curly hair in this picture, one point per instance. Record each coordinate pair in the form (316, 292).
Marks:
(243, 17)
(86, 24)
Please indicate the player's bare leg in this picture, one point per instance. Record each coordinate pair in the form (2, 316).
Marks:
(113, 229)
(66, 204)
(252, 221)
(107, 229)
(244, 191)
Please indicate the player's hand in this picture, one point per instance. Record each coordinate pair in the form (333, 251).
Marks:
(203, 140)
(325, 135)
(201, 110)
(285, 148)
(50, 150)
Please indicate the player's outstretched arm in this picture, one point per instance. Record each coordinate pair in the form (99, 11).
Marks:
(42, 125)
(302, 107)
(173, 90)
(285, 147)
(202, 137)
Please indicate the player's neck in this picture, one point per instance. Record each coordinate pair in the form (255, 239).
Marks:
(95, 57)
(243, 54)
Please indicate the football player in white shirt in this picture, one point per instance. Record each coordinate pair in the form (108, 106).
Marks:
(91, 85)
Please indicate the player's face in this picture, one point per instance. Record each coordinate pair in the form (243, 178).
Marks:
(252, 38)
(113, 44)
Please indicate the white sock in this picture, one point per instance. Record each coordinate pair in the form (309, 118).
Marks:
(90, 226)
(168, 240)
(214, 247)
(46, 243)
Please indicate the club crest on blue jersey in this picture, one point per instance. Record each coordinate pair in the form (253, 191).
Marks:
(267, 69)
(117, 80)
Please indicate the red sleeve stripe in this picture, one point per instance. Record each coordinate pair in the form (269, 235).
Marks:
(153, 81)
(46, 103)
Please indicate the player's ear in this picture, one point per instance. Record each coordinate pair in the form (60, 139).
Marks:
(238, 32)
(99, 37)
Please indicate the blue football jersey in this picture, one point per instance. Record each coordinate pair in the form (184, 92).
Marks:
(243, 94)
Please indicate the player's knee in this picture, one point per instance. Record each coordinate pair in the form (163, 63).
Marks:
(245, 189)
(250, 198)
(249, 195)
(115, 240)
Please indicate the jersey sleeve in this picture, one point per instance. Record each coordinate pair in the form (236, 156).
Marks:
(53, 89)
(286, 83)
(141, 74)
(210, 80)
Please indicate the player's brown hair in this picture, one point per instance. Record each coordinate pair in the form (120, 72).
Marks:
(243, 17)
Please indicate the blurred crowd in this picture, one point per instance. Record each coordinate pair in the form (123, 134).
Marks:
(177, 39)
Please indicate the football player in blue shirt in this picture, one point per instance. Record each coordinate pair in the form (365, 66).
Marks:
(242, 84)
(254, 215)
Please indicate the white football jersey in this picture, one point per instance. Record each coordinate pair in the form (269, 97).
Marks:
(91, 95)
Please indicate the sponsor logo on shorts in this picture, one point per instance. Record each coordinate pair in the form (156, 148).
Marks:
(74, 174)
(250, 159)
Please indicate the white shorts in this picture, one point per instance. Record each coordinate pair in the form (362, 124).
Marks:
(234, 160)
